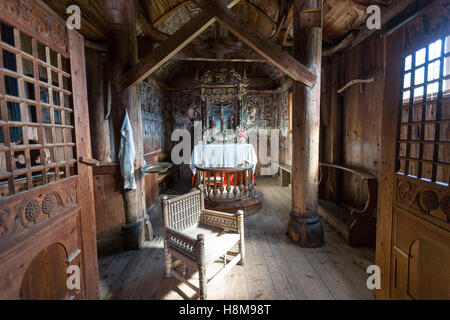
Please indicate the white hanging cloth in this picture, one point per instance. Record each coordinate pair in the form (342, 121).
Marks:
(127, 154)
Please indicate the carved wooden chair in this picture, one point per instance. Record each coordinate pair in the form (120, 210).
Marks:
(197, 237)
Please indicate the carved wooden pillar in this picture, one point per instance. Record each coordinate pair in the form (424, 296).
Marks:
(305, 227)
(123, 54)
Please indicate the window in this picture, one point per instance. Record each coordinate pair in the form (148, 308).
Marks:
(424, 139)
(36, 114)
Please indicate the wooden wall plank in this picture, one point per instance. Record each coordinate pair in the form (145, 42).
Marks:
(85, 186)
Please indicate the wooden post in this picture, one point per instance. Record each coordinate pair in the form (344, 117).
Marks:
(305, 227)
(123, 54)
(101, 143)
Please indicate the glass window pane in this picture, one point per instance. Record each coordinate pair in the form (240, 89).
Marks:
(32, 114)
(419, 76)
(11, 86)
(26, 43)
(46, 115)
(55, 79)
(434, 70)
(54, 58)
(56, 98)
(432, 91)
(27, 66)
(407, 81)
(420, 57)
(406, 97)
(408, 63)
(446, 88)
(418, 94)
(43, 74)
(434, 50)
(9, 61)
(447, 45)
(446, 66)
(7, 34)
(30, 93)
(58, 117)
(13, 111)
(41, 52)
(44, 95)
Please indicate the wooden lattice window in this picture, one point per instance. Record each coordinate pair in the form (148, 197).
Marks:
(36, 114)
(424, 135)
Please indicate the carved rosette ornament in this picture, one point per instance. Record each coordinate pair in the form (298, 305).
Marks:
(429, 201)
(32, 211)
(404, 192)
(50, 204)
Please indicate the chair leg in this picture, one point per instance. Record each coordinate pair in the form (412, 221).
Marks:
(242, 252)
(203, 284)
(183, 269)
(168, 262)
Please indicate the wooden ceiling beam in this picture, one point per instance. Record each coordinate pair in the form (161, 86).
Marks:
(254, 83)
(169, 48)
(191, 53)
(263, 46)
(340, 46)
(146, 26)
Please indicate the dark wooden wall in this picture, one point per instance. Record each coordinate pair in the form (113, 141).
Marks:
(351, 121)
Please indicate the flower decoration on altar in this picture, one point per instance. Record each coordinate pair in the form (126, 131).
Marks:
(249, 111)
(242, 136)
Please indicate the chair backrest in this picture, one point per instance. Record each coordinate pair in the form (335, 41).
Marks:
(182, 212)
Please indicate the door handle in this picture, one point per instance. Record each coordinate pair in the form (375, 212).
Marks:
(89, 162)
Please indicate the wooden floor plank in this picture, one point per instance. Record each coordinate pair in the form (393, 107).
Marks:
(275, 268)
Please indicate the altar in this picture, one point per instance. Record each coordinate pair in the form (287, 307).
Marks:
(226, 174)
(225, 156)
(224, 163)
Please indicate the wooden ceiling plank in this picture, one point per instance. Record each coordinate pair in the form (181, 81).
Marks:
(169, 48)
(387, 14)
(145, 25)
(263, 46)
(171, 11)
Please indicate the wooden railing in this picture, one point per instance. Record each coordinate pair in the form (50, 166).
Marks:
(226, 184)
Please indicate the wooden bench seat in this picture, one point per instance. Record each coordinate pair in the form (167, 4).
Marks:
(357, 226)
(285, 173)
(162, 177)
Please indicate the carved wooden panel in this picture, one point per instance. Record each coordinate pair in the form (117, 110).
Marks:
(20, 215)
(38, 21)
(426, 200)
(420, 259)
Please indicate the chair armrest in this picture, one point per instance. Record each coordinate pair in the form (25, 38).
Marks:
(226, 221)
(181, 242)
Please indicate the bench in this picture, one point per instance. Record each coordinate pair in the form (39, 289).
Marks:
(285, 173)
(163, 177)
(357, 226)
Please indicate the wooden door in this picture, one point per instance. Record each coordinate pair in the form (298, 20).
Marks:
(413, 231)
(47, 220)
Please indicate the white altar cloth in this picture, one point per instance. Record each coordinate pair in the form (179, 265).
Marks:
(223, 156)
